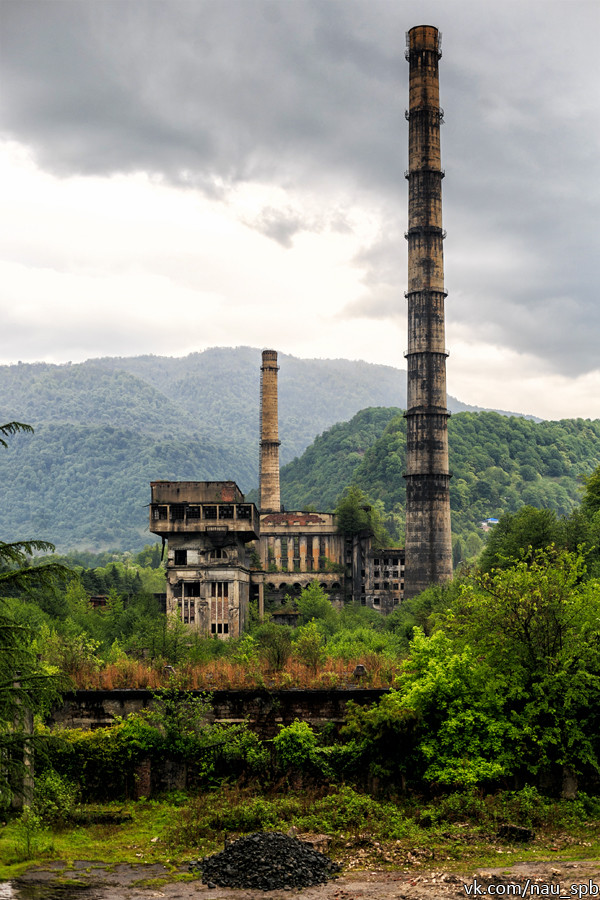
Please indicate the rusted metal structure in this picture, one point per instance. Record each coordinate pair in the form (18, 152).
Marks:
(270, 497)
(428, 544)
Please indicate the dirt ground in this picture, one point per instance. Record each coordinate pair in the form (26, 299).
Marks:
(94, 881)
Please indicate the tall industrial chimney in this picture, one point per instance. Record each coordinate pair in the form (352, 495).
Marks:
(428, 536)
(270, 499)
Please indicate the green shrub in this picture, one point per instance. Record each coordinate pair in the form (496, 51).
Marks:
(54, 799)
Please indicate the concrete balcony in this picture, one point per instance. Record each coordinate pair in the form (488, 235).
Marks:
(214, 519)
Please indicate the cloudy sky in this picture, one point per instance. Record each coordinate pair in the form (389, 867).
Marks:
(181, 175)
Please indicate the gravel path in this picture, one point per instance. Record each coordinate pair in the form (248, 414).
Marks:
(94, 881)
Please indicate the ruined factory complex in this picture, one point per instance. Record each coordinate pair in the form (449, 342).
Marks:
(223, 552)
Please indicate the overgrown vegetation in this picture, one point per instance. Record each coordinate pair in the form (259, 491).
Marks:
(492, 710)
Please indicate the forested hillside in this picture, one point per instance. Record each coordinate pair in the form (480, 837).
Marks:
(499, 463)
(214, 393)
(107, 427)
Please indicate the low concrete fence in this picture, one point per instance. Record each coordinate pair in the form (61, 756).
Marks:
(263, 710)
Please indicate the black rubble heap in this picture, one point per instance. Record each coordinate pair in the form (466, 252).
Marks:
(266, 861)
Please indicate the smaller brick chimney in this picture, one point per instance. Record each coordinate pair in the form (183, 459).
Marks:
(270, 498)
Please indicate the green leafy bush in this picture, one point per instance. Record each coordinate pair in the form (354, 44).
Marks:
(54, 799)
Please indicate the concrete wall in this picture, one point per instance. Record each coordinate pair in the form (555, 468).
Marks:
(264, 710)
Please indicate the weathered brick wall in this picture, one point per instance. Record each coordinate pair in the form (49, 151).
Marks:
(264, 710)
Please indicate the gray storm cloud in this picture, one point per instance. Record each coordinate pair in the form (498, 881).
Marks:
(310, 95)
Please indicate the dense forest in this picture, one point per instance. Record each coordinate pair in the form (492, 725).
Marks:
(105, 428)
(498, 463)
(214, 394)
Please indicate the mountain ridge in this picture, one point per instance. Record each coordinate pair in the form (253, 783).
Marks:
(82, 481)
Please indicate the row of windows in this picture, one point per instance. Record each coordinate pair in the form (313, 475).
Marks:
(178, 512)
(180, 557)
(386, 561)
(394, 586)
(296, 587)
(376, 601)
(219, 592)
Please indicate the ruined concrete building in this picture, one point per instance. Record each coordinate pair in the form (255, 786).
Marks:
(208, 526)
(223, 552)
(428, 535)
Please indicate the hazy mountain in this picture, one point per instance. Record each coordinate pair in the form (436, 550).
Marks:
(106, 427)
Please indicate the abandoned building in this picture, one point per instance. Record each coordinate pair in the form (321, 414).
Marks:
(223, 552)
(208, 526)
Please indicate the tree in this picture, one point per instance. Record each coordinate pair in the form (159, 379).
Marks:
(591, 496)
(275, 644)
(313, 603)
(356, 513)
(537, 623)
(309, 646)
(26, 686)
(519, 535)
(505, 690)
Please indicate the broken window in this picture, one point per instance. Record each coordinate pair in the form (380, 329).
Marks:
(244, 512)
(226, 512)
(180, 557)
(219, 612)
(159, 512)
(177, 512)
(210, 512)
(193, 512)
(191, 588)
(218, 554)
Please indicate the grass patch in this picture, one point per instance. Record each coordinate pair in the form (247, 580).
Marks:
(455, 833)
(127, 842)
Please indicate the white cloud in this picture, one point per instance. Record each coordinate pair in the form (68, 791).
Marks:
(231, 173)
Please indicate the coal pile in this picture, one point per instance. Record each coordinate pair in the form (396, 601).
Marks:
(266, 861)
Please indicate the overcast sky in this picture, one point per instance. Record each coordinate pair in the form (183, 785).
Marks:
(181, 175)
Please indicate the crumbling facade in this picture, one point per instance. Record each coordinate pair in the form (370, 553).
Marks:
(298, 547)
(428, 535)
(223, 553)
(208, 526)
